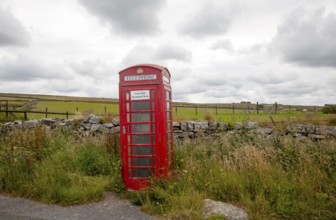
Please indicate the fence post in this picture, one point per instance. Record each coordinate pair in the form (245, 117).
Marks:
(25, 116)
(233, 109)
(67, 114)
(196, 109)
(257, 108)
(216, 110)
(276, 107)
(6, 108)
(46, 112)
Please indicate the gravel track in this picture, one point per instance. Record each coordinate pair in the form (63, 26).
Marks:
(112, 207)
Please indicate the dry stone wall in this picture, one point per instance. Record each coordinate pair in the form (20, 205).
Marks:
(93, 125)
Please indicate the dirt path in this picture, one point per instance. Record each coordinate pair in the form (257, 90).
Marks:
(111, 208)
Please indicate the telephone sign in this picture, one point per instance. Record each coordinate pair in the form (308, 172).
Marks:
(146, 136)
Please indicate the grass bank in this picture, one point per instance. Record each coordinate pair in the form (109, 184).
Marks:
(272, 178)
(58, 167)
(275, 177)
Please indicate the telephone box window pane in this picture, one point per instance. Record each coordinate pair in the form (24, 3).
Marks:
(167, 95)
(153, 128)
(127, 95)
(127, 106)
(168, 126)
(144, 128)
(142, 150)
(141, 139)
(153, 139)
(142, 161)
(140, 106)
(168, 106)
(141, 172)
(129, 139)
(153, 105)
(168, 116)
(153, 116)
(128, 117)
(141, 117)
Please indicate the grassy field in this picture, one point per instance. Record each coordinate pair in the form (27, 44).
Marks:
(271, 178)
(243, 111)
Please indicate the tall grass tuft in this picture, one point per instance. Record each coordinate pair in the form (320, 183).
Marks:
(57, 167)
(272, 178)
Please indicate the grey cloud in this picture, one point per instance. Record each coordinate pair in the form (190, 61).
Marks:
(127, 16)
(307, 38)
(272, 78)
(159, 55)
(211, 19)
(26, 69)
(171, 51)
(11, 30)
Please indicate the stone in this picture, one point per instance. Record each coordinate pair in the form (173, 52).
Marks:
(184, 126)
(190, 126)
(86, 126)
(116, 129)
(115, 122)
(316, 137)
(108, 125)
(94, 119)
(176, 125)
(95, 127)
(252, 125)
(48, 122)
(228, 211)
(318, 130)
(239, 126)
(201, 125)
(223, 126)
(212, 125)
(310, 128)
(17, 122)
(191, 134)
(30, 124)
(103, 129)
(264, 131)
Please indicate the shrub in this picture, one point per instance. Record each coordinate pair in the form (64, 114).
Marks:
(57, 167)
(93, 161)
(273, 178)
(329, 109)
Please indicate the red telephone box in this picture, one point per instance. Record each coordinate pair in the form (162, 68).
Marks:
(146, 135)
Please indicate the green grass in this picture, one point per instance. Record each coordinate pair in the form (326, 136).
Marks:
(58, 168)
(272, 178)
(84, 109)
(275, 177)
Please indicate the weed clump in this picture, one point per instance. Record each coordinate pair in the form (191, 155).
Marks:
(272, 178)
(57, 167)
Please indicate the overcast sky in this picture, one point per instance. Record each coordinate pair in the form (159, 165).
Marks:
(217, 51)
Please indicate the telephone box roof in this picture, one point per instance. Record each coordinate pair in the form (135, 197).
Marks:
(161, 68)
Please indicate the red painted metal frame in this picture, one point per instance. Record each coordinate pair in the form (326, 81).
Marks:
(162, 167)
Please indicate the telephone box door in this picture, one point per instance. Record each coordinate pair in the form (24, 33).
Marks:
(139, 150)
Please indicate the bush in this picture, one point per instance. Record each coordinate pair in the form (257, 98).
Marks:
(273, 178)
(56, 167)
(93, 161)
(329, 109)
